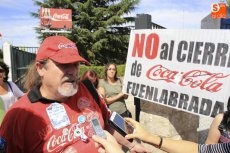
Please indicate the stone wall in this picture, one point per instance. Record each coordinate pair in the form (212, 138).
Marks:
(168, 122)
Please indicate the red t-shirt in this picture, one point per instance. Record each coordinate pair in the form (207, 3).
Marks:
(29, 127)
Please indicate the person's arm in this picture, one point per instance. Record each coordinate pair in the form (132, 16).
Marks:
(111, 146)
(101, 91)
(214, 133)
(114, 98)
(110, 100)
(165, 144)
(178, 146)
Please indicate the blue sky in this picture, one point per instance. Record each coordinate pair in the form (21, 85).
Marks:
(17, 25)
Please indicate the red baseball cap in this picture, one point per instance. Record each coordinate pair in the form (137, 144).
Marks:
(59, 49)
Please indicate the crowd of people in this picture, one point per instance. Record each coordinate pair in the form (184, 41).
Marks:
(110, 145)
(55, 114)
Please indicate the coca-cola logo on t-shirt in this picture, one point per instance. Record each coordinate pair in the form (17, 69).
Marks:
(56, 142)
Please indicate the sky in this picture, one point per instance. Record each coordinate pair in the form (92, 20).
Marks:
(17, 25)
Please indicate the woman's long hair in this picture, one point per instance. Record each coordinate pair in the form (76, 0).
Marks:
(6, 70)
(226, 118)
(31, 78)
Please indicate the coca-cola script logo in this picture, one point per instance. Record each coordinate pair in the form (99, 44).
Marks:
(203, 80)
(67, 45)
(56, 142)
(61, 17)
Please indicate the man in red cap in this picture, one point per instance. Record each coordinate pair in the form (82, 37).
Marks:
(55, 114)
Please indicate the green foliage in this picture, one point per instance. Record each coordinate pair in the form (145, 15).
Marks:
(121, 70)
(98, 27)
(100, 70)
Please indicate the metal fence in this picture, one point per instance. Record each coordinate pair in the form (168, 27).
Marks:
(18, 61)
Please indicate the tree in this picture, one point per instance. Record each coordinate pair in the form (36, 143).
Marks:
(98, 27)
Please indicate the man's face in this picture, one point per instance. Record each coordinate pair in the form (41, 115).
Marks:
(61, 79)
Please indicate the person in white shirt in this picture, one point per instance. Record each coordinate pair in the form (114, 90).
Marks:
(9, 91)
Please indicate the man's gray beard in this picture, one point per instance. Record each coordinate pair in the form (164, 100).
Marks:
(67, 93)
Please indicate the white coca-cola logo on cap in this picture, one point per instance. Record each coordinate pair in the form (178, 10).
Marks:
(67, 45)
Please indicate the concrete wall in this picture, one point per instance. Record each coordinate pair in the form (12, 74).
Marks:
(171, 123)
(209, 23)
(168, 122)
(7, 57)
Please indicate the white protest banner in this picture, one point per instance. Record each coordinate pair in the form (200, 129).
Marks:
(187, 70)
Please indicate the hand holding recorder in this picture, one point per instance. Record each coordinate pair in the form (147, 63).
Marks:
(97, 128)
(108, 145)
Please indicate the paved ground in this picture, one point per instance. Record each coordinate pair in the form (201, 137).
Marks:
(130, 105)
